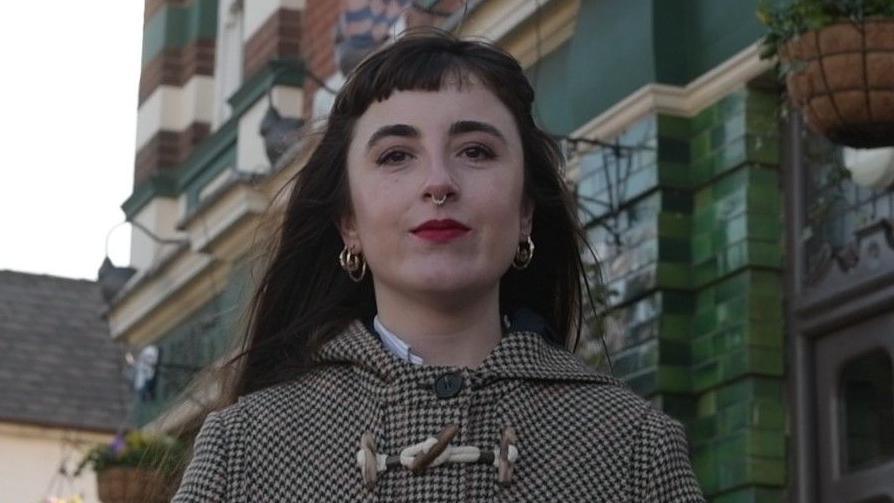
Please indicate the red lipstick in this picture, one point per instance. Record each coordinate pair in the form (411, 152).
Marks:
(440, 231)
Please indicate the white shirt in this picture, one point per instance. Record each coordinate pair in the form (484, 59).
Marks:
(395, 344)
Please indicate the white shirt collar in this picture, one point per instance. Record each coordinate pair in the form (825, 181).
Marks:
(395, 344)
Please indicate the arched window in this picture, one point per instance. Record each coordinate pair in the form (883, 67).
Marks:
(866, 412)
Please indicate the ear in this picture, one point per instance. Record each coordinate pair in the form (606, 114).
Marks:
(347, 227)
(527, 218)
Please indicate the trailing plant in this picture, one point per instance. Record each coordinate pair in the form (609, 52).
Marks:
(138, 450)
(788, 20)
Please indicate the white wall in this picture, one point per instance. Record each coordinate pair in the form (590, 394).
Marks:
(30, 458)
(173, 108)
(250, 154)
(228, 57)
(160, 216)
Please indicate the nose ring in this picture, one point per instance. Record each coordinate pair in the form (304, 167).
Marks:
(439, 201)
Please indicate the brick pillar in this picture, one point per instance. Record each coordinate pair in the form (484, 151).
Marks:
(317, 44)
(278, 38)
(179, 44)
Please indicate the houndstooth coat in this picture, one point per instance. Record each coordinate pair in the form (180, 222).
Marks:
(546, 428)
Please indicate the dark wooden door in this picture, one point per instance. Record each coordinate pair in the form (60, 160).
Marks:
(840, 315)
(855, 412)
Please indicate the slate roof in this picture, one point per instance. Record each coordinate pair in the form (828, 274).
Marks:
(58, 364)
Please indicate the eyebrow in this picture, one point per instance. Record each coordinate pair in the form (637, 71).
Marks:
(461, 127)
(457, 128)
(392, 130)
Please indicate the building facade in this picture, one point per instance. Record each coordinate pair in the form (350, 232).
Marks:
(742, 301)
(62, 386)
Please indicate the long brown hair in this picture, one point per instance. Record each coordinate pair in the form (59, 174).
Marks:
(304, 298)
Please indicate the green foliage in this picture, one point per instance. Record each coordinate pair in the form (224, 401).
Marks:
(788, 20)
(136, 449)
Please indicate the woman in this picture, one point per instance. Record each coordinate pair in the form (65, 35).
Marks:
(407, 343)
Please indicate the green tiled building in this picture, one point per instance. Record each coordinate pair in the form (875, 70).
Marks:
(692, 253)
(746, 276)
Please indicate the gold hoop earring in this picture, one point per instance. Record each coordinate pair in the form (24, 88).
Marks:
(352, 262)
(524, 255)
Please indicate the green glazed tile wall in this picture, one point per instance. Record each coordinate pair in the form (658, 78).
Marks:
(738, 433)
(693, 274)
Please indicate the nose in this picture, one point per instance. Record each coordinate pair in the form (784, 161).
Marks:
(440, 182)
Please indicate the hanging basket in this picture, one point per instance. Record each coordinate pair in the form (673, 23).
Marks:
(842, 78)
(132, 485)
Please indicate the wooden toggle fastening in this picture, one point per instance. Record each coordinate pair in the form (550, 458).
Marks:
(421, 461)
(504, 475)
(369, 468)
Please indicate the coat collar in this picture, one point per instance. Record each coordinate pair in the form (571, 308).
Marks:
(522, 353)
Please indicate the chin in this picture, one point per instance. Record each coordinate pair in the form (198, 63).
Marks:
(460, 283)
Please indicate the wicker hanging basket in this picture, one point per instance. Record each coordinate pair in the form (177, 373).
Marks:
(842, 79)
(132, 485)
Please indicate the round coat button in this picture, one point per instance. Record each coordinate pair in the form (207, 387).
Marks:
(448, 385)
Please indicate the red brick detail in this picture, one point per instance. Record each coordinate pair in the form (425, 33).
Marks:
(150, 7)
(318, 43)
(176, 65)
(166, 150)
(278, 37)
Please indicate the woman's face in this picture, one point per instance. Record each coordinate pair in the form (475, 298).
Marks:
(418, 147)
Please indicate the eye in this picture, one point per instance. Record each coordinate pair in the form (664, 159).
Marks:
(393, 157)
(478, 153)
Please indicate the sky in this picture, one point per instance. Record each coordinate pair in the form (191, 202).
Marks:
(68, 116)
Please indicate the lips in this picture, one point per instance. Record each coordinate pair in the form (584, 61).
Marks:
(440, 230)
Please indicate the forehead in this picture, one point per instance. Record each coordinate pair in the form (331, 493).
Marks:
(437, 110)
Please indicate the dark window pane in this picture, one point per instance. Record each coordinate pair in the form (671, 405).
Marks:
(867, 411)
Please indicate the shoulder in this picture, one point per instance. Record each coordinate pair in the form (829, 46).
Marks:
(661, 469)
(604, 406)
(215, 471)
(320, 385)
(611, 397)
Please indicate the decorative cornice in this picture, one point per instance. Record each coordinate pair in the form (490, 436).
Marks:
(162, 184)
(495, 19)
(863, 269)
(534, 39)
(277, 72)
(205, 153)
(157, 302)
(686, 101)
(869, 253)
(145, 310)
(209, 228)
(177, 278)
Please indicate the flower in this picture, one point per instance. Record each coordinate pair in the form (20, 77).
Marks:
(136, 449)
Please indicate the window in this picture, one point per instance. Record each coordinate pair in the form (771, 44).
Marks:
(228, 64)
(866, 409)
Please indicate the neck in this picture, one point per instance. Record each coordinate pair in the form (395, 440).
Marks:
(461, 334)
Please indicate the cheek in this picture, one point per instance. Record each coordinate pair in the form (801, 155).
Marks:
(376, 216)
(503, 202)
(504, 215)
